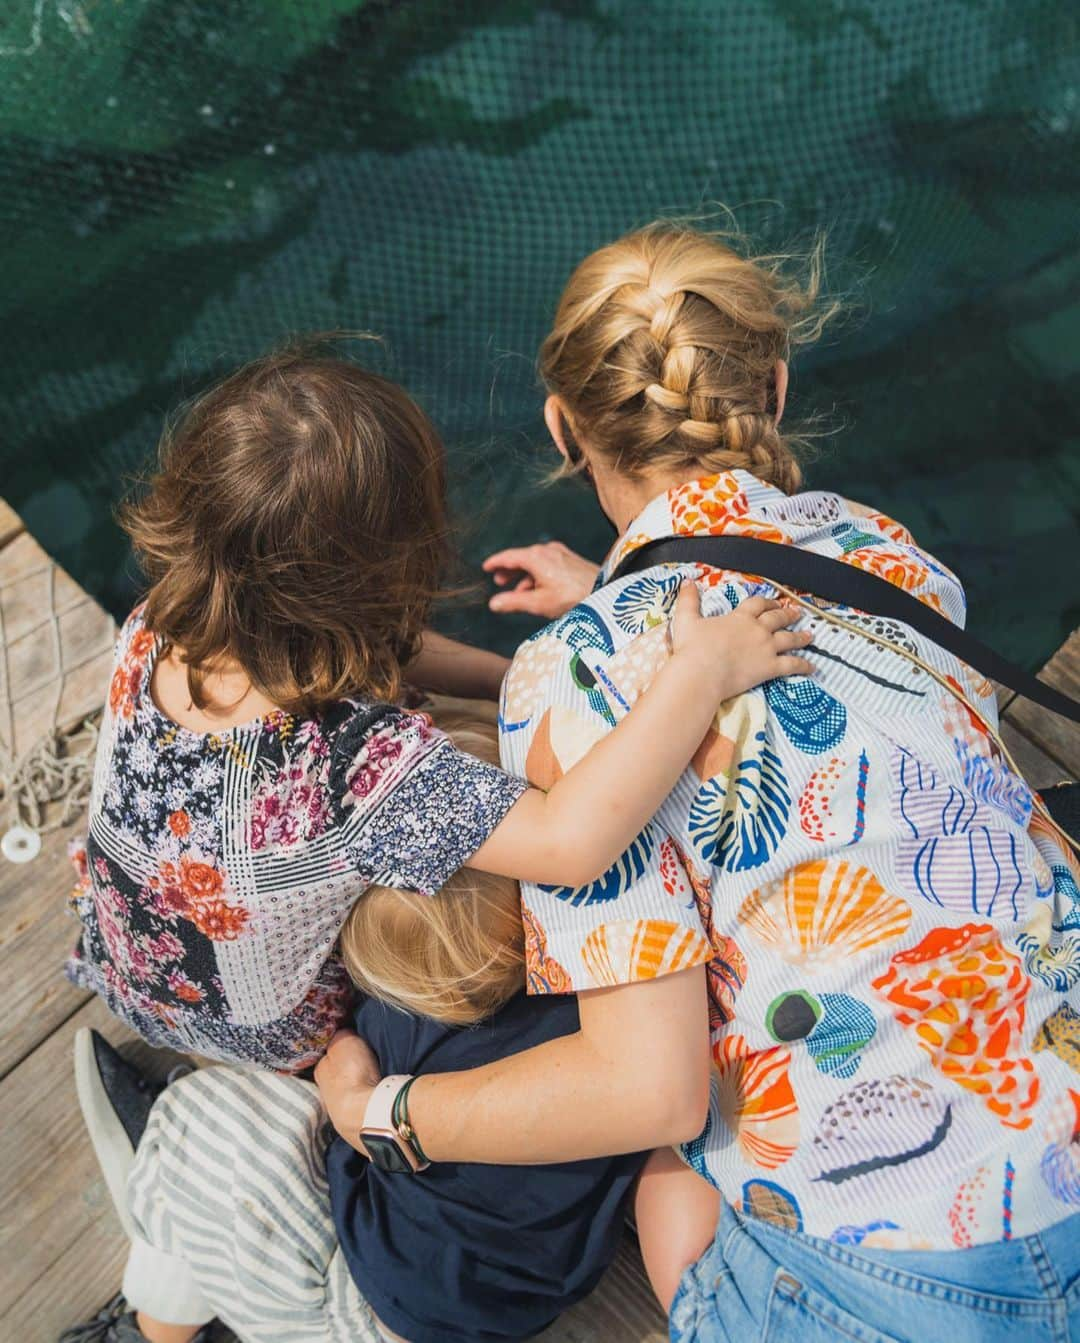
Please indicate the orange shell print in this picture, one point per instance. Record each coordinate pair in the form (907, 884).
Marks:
(562, 737)
(963, 994)
(757, 1101)
(818, 913)
(635, 949)
(902, 571)
(543, 973)
(715, 505)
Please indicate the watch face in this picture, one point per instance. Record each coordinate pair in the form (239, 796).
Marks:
(385, 1153)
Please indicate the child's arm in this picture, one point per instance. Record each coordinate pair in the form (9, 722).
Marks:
(573, 833)
(451, 668)
(676, 1211)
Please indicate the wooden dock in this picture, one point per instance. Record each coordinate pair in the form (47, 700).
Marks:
(61, 1247)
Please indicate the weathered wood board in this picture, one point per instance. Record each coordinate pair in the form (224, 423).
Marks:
(56, 647)
(61, 1247)
(1057, 736)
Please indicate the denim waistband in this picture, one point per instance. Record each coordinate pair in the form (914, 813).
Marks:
(1020, 1277)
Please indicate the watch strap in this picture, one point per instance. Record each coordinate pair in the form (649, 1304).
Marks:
(387, 1114)
(403, 1124)
(379, 1113)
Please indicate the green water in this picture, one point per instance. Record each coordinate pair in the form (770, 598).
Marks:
(182, 184)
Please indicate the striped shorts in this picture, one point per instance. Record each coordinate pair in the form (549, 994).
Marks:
(229, 1197)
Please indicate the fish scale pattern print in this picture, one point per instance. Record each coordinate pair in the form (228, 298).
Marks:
(891, 936)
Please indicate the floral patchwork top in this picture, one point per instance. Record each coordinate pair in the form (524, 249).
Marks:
(891, 937)
(219, 868)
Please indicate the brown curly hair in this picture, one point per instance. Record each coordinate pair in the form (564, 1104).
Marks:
(296, 524)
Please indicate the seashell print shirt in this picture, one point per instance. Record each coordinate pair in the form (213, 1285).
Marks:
(891, 937)
(219, 867)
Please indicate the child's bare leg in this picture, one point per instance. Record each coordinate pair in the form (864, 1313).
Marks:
(676, 1212)
(157, 1331)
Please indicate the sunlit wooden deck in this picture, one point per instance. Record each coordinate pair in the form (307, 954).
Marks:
(61, 1248)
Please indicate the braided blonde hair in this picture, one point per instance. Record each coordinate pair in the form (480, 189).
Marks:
(664, 349)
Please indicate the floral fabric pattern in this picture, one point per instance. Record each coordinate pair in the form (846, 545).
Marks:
(890, 933)
(219, 868)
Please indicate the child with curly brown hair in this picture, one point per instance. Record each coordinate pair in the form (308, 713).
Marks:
(256, 773)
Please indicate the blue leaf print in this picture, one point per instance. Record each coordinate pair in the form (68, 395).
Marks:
(849, 537)
(646, 603)
(737, 823)
(836, 1042)
(811, 718)
(1065, 885)
(629, 868)
(582, 628)
(693, 1152)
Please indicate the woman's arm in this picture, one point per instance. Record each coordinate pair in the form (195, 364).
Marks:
(635, 1076)
(451, 668)
(573, 833)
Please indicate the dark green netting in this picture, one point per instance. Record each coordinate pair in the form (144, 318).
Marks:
(183, 182)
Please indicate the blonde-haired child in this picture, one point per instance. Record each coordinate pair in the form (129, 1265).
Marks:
(464, 1251)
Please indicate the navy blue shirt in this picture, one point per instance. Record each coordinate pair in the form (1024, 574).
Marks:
(468, 1251)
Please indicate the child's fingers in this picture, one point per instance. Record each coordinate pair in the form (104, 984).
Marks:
(687, 611)
(785, 640)
(757, 606)
(787, 665)
(779, 617)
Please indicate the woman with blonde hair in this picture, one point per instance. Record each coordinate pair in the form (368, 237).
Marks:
(837, 971)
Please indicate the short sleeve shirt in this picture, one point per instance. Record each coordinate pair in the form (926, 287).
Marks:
(891, 934)
(477, 1252)
(219, 868)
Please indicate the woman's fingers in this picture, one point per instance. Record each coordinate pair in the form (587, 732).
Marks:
(757, 606)
(528, 598)
(516, 557)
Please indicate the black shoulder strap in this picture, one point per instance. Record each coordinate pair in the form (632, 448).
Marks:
(807, 571)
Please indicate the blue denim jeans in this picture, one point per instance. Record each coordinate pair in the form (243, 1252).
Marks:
(760, 1282)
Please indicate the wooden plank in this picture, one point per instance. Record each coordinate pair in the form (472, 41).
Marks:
(622, 1307)
(52, 670)
(1056, 736)
(1038, 768)
(37, 934)
(61, 1246)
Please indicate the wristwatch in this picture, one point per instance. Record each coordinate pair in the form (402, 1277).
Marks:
(386, 1132)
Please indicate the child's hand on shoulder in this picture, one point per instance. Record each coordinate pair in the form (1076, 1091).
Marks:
(740, 650)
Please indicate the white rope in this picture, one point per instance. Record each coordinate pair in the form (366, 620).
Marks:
(49, 784)
(58, 769)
